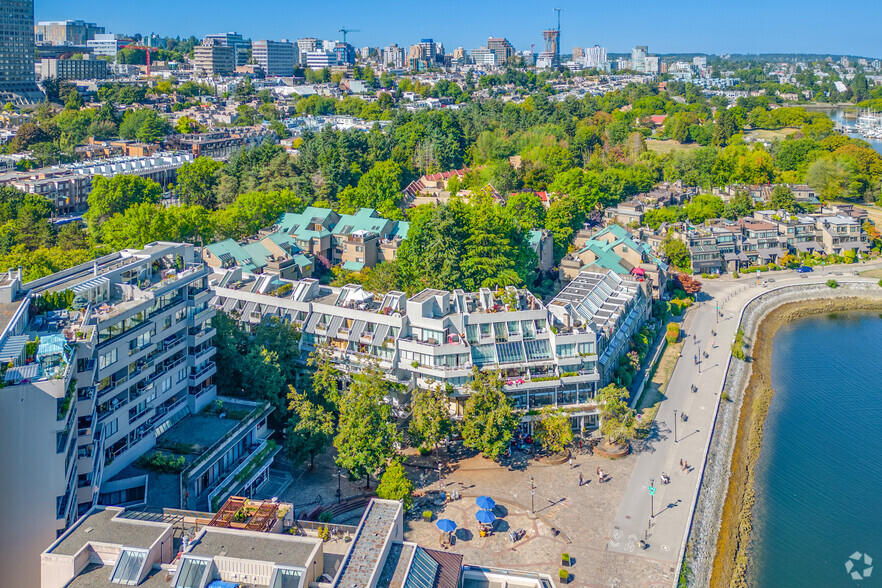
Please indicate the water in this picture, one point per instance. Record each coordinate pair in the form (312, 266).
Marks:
(819, 476)
(838, 115)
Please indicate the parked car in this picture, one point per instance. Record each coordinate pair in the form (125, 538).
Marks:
(803, 269)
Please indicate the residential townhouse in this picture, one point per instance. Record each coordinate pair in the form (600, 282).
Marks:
(272, 253)
(555, 354)
(87, 389)
(614, 248)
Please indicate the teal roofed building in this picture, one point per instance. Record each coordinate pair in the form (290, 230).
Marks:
(276, 253)
(614, 248)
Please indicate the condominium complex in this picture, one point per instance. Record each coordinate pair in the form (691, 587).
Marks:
(275, 58)
(66, 32)
(558, 353)
(107, 44)
(113, 546)
(320, 59)
(17, 83)
(91, 382)
(214, 59)
(484, 56)
(304, 46)
(502, 48)
(393, 56)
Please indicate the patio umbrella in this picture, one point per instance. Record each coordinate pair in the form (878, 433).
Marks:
(485, 517)
(446, 525)
(485, 503)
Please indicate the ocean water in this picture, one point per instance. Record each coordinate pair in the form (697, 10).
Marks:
(819, 476)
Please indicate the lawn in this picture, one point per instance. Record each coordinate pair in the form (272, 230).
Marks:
(655, 389)
(669, 146)
(771, 135)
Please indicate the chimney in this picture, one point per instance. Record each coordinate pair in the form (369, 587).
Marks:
(95, 268)
(19, 273)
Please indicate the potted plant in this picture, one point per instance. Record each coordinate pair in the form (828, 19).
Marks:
(564, 576)
(565, 559)
(427, 515)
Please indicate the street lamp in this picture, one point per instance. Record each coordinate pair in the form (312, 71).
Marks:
(440, 479)
(651, 498)
(675, 425)
(339, 473)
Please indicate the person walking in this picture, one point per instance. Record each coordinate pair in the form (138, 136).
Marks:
(571, 462)
(581, 480)
(681, 464)
(599, 479)
(685, 466)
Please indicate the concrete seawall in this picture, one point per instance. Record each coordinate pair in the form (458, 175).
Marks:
(803, 299)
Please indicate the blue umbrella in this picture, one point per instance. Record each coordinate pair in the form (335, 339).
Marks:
(485, 517)
(485, 503)
(446, 525)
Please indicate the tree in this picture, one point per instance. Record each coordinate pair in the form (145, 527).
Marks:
(114, 195)
(395, 485)
(379, 188)
(74, 101)
(704, 207)
(677, 253)
(782, 199)
(687, 283)
(325, 384)
(310, 428)
(366, 435)
(489, 420)
(430, 422)
(739, 206)
(144, 125)
(197, 181)
(617, 419)
(553, 429)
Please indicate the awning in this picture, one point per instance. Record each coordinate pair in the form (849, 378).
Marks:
(638, 271)
(30, 371)
(13, 348)
(51, 345)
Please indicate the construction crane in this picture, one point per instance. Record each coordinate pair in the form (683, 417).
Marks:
(145, 48)
(344, 30)
(558, 11)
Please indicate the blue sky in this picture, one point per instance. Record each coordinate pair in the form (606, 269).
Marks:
(746, 26)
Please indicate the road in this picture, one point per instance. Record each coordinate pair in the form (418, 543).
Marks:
(664, 529)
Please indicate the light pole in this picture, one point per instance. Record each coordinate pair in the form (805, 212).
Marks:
(440, 479)
(651, 498)
(532, 494)
(339, 494)
(675, 425)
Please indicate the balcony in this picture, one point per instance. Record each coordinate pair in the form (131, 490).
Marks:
(197, 377)
(250, 466)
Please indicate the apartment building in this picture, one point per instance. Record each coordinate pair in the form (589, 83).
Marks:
(112, 546)
(107, 44)
(66, 32)
(214, 59)
(17, 81)
(556, 354)
(275, 58)
(501, 46)
(73, 69)
(240, 46)
(90, 385)
(221, 144)
(66, 190)
(271, 253)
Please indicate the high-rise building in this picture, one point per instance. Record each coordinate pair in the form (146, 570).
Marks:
(393, 56)
(65, 32)
(550, 56)
(460, 55)
(578, 54)
(240, 46)
(321, 59)
(275, 58)
(484, 56)
(595, 56)
(345, 53)
(304, 46)
(214, 59)
(107, 44)
(73, 69)
(502, 48)
(17, 83)
(133, 356)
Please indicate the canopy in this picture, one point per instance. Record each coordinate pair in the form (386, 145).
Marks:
(13, 348)
(446, 525)
(485, 517)
(485, 503)
(51, 345)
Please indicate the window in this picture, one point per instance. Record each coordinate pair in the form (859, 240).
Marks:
(182, 374)
(192, 573)
(107, 359)
(129, 566)
(166, 385)
(286, 578)
(111, 428)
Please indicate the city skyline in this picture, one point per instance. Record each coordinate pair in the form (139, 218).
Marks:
(753, 27)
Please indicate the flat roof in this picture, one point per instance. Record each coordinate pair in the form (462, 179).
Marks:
(249, 545)
(98, 576)
(102, 526)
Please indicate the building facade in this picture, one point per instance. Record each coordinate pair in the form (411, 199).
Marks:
(107, 44)
(240, 46)
(87, 388)
(17, 80)
(502, 48)
(66, 32)
(73, 69)
(214, 59)
(275, 58)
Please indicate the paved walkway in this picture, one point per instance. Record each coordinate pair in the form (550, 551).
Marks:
(673, 438)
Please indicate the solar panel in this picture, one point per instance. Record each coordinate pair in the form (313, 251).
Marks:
(423, 571)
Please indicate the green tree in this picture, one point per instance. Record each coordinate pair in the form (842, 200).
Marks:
(782, 198)
(366, 436)
(197, 181)
(395, 485)
(379, 188)
(553, 429)
(704, 207)
(114, 195)
(430, 422)
(325, 378)
(677, 253)
(739, 206)
(74, 101)
(310, 428)
(617, 419)
(489, 420)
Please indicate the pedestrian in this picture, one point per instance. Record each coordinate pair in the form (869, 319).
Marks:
(681, 464)
(580, 445)
(571, 462)
(581, 480)
(599, 474)
(696, 359)
(686, 466)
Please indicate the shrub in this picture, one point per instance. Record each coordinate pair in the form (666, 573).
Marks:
(880, 283)
(673, 334)
(725, 397)
(736, 275)
(832, 284)
(565, 559)
(427, 515)
(326, 516)
(564, 576)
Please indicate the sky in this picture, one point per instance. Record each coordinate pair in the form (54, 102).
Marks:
(672, 26)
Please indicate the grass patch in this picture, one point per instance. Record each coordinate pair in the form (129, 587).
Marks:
(670, 146)
(873, 273)
(654, 393)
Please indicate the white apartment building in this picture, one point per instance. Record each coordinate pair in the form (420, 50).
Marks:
(275, 58)
(483, 56)
(394, 55)
(88, 388)
(107, 44)
(557, 354)
(321, 59)
(304, 46)
(595, 56)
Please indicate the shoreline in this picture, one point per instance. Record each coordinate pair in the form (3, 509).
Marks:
(730, 562)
